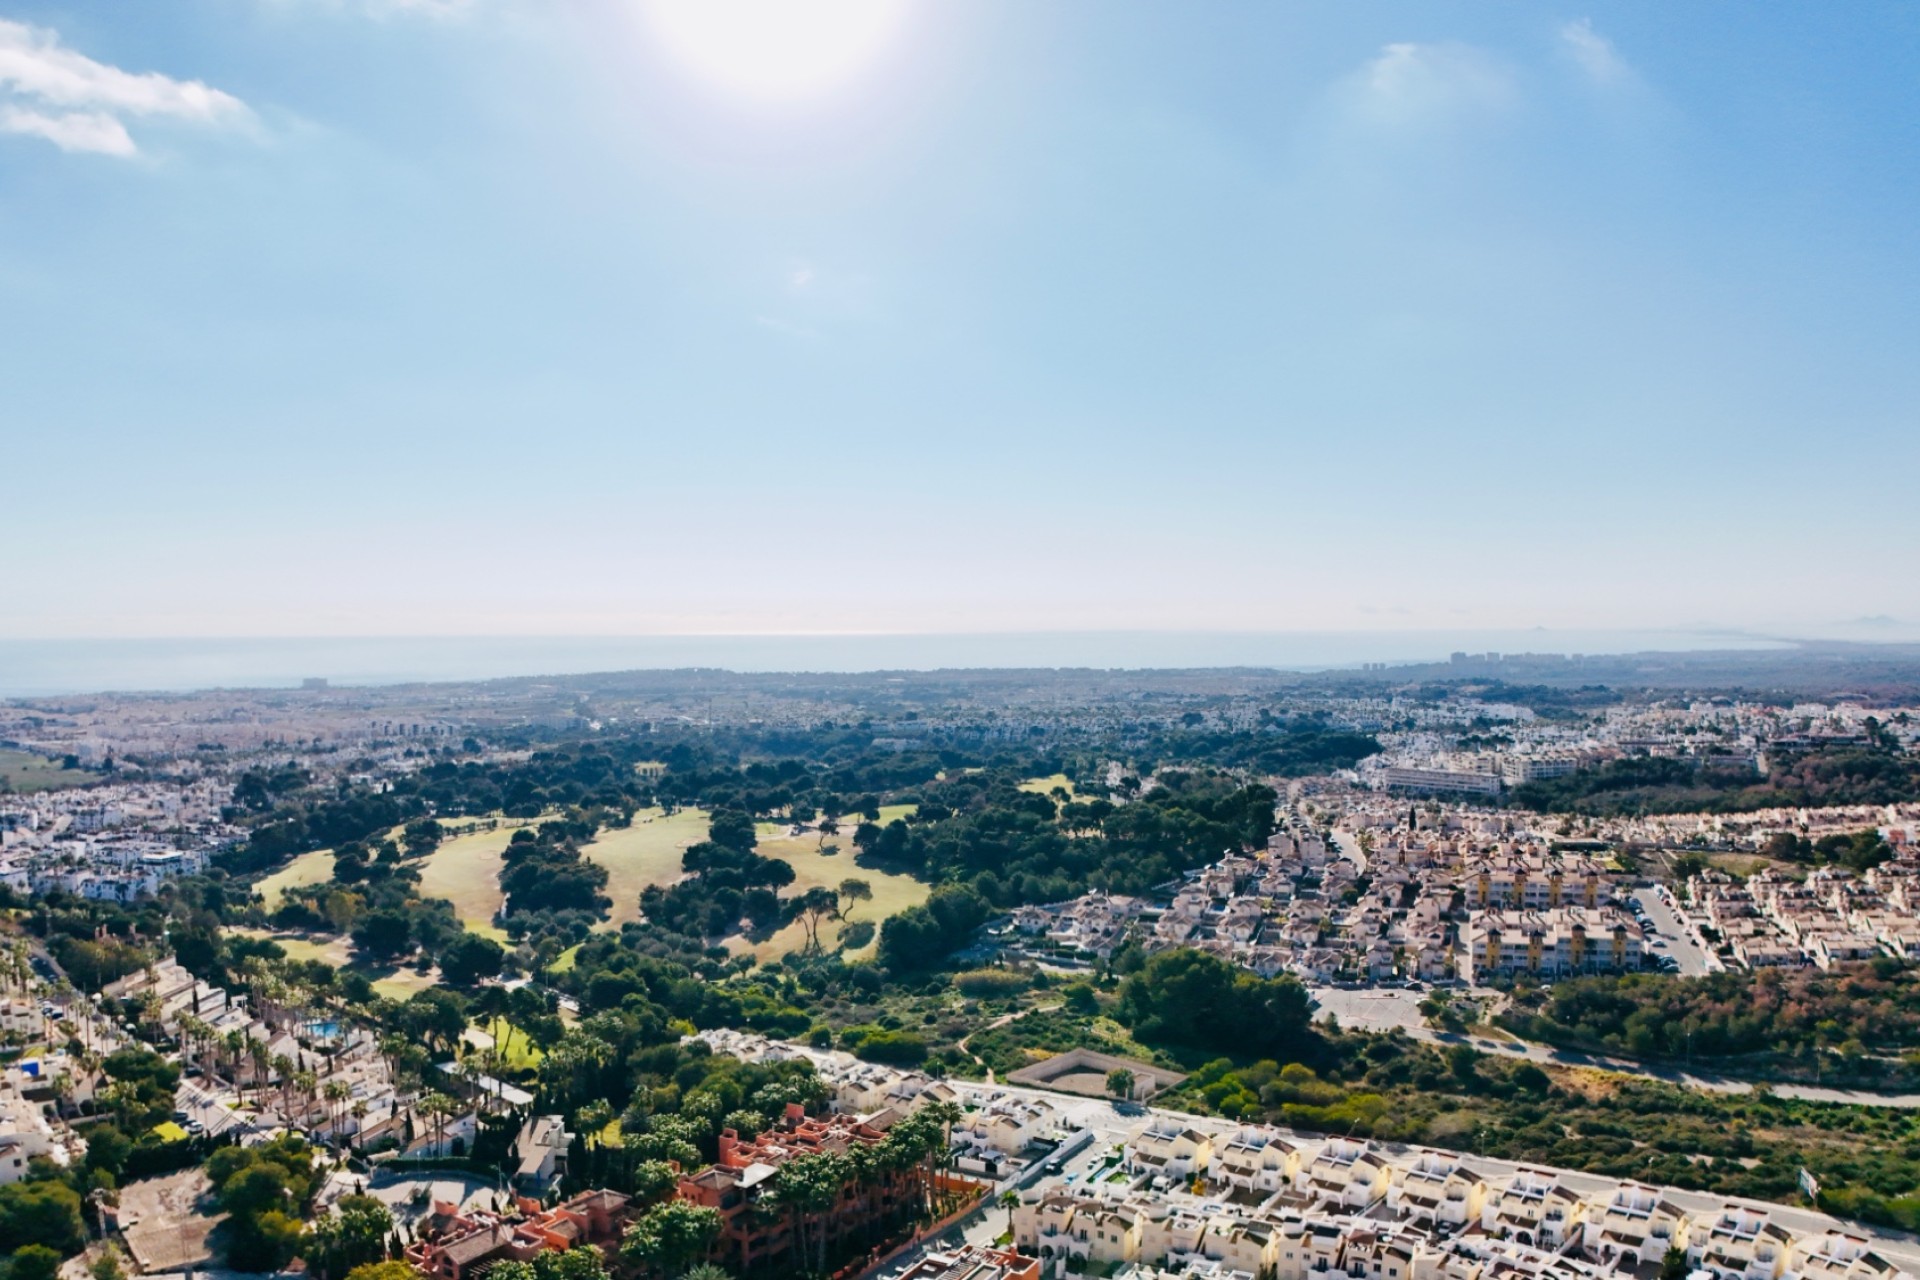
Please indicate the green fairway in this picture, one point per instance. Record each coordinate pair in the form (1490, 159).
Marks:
(308, 868)
(23, 771)
(648, 852)
(465, 870)
(892, 892)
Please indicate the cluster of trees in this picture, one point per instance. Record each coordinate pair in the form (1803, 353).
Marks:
(1013, 846)
(1790, 1014)
(356, 1232)
(922, 937)
(1651, 785)
(544, 873)
(1281, 747)
(1860, 851)
(729, 886)
(1195, 999)
(290, 813)
(41, 1210)
(727, 883)
(267, 1190)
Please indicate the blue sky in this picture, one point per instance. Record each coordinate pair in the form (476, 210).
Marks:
(502, 317)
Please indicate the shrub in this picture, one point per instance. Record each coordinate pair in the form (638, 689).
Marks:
(985, 984)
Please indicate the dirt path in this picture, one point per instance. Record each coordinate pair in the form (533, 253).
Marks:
(995, 1025)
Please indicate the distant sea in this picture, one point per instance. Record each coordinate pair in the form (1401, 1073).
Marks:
(39, 668)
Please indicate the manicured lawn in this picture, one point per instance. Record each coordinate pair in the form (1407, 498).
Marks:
(648, 852)
(308, 868)
(465, 870)
(563, 962)
(24, 771)
(1045, 786)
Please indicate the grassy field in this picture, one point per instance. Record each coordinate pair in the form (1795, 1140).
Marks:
(1045, 786)
(23, 771)
(308, 868)
(892, 893)
(563, 962)
(465, 870)
(648, 852)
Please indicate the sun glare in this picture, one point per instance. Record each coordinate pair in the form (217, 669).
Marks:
(775, 48)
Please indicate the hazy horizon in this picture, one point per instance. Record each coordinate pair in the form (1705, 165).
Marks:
(44, 668)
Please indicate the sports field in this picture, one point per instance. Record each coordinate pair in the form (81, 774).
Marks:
(648, 852)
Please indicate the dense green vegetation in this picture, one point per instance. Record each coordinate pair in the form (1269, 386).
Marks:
(1012, 846)
(1194, 999)
(1648, 785)
(1855, 1022)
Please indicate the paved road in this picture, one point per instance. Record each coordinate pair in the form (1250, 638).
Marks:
(1680, 941)
(1348, 847)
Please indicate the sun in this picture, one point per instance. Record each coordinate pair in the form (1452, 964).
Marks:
(775, 48)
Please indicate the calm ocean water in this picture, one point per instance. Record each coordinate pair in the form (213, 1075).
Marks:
(31, 668)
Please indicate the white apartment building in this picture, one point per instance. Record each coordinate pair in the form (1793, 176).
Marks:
(1565, 940)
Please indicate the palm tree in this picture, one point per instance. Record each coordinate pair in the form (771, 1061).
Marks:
(283, 1069)
(337, 1092)
(808, 1186)
(1010, 1200)
(940, 1118)
(437, 1107)
(262, 1055)
(235, 1044)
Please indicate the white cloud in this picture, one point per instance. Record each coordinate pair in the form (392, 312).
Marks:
(52, 92)
(71, 131)
(1411, 83)
(1593, 52)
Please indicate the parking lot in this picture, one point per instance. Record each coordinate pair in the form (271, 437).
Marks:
(1371, 1009)
(1670, 932)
